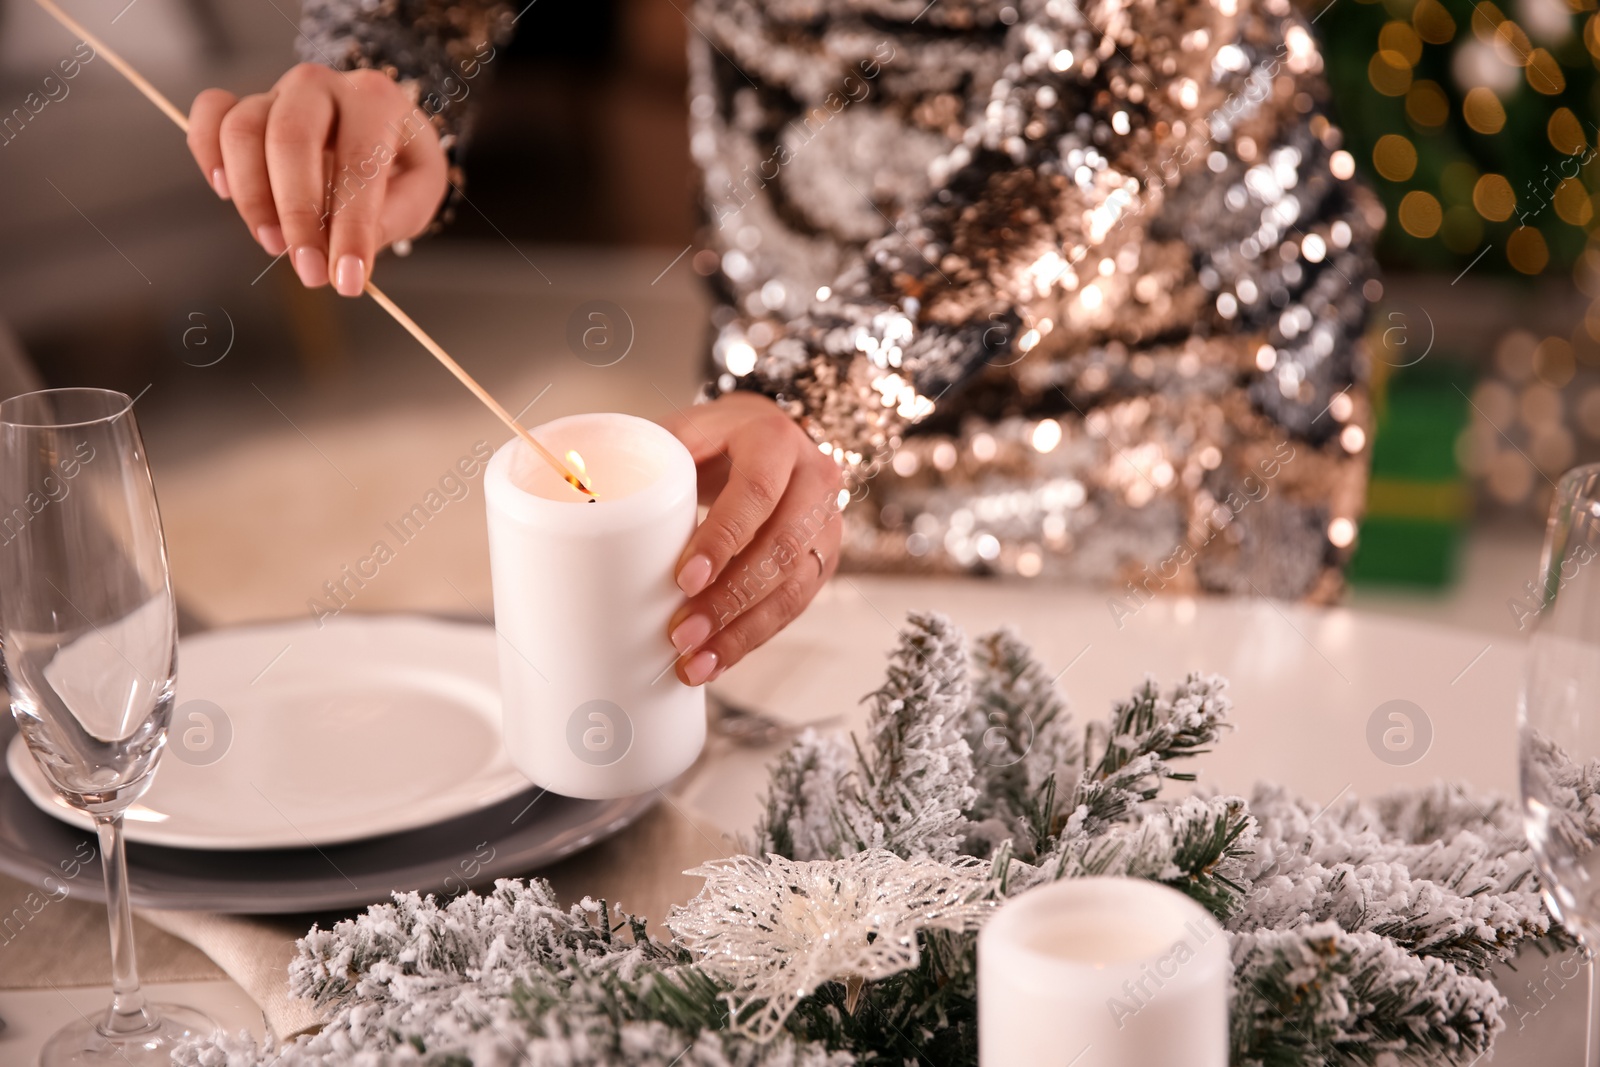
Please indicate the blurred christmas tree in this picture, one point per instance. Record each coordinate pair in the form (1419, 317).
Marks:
(1467, 117)
(1474, 122)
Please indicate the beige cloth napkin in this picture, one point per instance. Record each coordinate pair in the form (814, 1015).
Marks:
(54, 943)
(642, 867)
(50, 942)
(254, 952)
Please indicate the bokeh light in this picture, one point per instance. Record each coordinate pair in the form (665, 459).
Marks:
(1432, 22)
(1511, 44)
(1553, 362)
(1526, 250)
(1395, 157)
(1566, 132)
(1572, 203)
(1420, 214)
(1513, 357)
(1493, 198)
(1483, 110)
(1486, 16)
(1400, 37)
(1427, 105)
(1544, 73)
(1389, 72)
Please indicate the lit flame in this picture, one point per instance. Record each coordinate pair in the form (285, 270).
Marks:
(581, 469)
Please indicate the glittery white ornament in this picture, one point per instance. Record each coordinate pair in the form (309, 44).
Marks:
(775, 930)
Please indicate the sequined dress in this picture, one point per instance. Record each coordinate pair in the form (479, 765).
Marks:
(1070, 290)
(437, 51)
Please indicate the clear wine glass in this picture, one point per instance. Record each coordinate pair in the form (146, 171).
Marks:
(88, 633)
(1560, 721)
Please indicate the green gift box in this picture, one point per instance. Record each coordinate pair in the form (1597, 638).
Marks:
(1418, 500)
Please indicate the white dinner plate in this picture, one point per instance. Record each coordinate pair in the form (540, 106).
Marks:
(362, 727)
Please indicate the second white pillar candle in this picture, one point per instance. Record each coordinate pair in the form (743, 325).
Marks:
(1103, 972)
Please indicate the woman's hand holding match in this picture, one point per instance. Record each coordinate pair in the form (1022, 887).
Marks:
(276, 155)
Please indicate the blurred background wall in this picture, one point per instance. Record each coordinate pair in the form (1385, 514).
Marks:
(580, 138)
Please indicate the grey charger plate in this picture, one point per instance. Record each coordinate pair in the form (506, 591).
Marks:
(511, 838)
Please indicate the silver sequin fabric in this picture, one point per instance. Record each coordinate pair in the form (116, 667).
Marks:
(440, 53)
(1070, 291)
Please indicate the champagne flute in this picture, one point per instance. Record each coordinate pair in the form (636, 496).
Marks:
(1560, 722)
(89, 637)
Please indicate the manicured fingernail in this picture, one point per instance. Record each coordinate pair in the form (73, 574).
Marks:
(691, 633)
(219, 182)
(698, 669)
(716, 674)
(695, 575)
(312, 266)
(349, 276)
(271, 238)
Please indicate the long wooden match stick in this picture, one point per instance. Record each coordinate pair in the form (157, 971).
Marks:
(471, 383)
(150, 91)
(179, 119)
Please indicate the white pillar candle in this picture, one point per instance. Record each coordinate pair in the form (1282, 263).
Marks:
(1103, 972)
(583, 592)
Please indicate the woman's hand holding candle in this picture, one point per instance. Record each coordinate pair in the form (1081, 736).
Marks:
(769, 540)
(275, 154)
(772, 534)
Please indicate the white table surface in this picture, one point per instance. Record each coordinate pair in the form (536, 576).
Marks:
(1304, 682)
